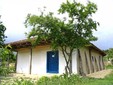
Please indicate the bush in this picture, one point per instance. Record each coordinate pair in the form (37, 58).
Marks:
(43, 81)
(12, 67)
(4, 71)
(23, 81)
(59, 80)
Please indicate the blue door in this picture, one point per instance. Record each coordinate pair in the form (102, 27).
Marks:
(52, 62)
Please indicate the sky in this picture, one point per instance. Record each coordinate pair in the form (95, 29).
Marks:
(13, 14)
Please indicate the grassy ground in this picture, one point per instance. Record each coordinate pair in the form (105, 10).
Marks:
(109, 67)
(58, 80)
(61, 80)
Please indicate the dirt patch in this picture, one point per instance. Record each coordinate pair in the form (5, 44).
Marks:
(17, 75)
(100, 74)
(12, 76)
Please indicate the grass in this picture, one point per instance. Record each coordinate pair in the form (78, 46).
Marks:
(109, 67)
(60, 80)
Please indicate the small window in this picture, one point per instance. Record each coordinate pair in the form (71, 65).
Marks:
(92, 58)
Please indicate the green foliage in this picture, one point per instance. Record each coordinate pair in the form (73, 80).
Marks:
(4, 70)
(2, 35)
(43, 81)
(64, 80)
(110, 54)
(12, 67)
(109, 67)
(23, 81)
(106, 51)
(5, 55)
(5, 52)
(76, 80)
(73, 32)
(79, 27)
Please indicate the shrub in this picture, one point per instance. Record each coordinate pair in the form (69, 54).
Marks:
(59, 80)
(12, 67)
(43, 81)
(23, 81)
(4, 71)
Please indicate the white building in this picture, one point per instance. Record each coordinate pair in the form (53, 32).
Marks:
(41, 60)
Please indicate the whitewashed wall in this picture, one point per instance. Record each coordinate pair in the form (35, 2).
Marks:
(74, 62)
(62, 63)
(23, 61)
(39, 61)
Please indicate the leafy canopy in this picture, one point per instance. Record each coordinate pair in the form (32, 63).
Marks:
(74, 31)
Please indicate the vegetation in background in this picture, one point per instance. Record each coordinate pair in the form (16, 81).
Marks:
(6, 57)
(71, 33)
(109, 56)
(2, 35)
(109, 66)
(6, 54)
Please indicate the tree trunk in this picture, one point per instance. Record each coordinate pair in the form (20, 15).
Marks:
(68, 60)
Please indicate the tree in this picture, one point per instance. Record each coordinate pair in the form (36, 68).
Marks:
(6, 54)
(110, 54)
(2, 35)
(69, 34)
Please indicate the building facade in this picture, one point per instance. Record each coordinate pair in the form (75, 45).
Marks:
(41, 60)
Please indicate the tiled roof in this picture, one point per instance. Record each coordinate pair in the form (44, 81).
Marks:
(25, 43)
